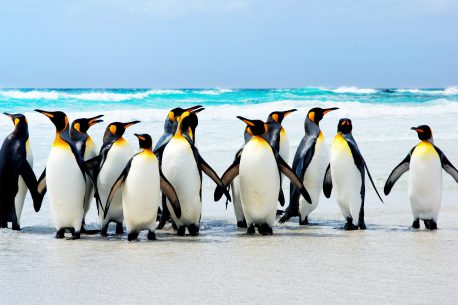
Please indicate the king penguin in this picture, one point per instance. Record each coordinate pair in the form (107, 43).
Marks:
(64, 178)
(107, 166)
(182, 165)
(309, 164)
(141, 181)
(88, 150)
(346, 172)
(425, 162)
(259, 168)
(16, 173)
(170, 128)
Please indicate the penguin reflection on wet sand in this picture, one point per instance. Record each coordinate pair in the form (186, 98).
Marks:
(182, 165)
(170, 127)
(141, 181)
(259, 167)
(65, 178)
(106, 168)
(345, 173)
(16, 173)
(309, 164)
(88, 150)
(425, 162)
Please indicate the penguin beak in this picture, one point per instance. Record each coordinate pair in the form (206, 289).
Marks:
(325, 111)
(287, 112)
(139, 136)
(248, 122)
(8, 114)
(417, 129)
(191, 109)
(197, 110)
(48, 114)
(128, 124)
(94, 120)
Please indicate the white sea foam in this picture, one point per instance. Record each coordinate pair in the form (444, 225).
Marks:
(345, 89)
(447, 91)
(213, 91)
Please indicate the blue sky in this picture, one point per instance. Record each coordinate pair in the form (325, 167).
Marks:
(228, 43)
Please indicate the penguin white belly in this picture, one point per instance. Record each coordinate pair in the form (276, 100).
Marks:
(313, 177)
(180, 168)
(425, 182)
(91, 152)
(66, 187)
(140, 194)
(259, 182)
(236, 200)
(346, 179)
(117, 158)
(284, 145)
(22, 188)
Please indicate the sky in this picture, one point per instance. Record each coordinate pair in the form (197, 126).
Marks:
(228, 43)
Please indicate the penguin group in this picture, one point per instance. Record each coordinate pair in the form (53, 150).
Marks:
(164, 182)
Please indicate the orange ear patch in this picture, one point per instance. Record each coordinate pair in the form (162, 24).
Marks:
(112, 129)
(312, 116)
(275, 117)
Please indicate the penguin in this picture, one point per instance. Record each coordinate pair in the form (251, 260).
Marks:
(425, 162)
(65, 178)
(278, 139)
(182, 165)
(141, 181)
(107, 166)
(259, 168)
(346, 172)
(309, 164)
(170, 127)
(16, 173)
(88, 150)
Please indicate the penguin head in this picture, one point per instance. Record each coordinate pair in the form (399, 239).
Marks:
(344, 126)
(117, 129)
(254, 127)
(58, 118)
(144, 140)
(188, 121)
(175, 113)
(278, 116)
(424, 132)
(83, 125)
(316, 114)
(19, 121)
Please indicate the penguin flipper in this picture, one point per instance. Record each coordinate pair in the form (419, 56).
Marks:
(447, 165)
(288, 172)
(41, 187)
(117, 185)
(30, 180)
(228, 176)
(397, 172)
(327, 182)
(281, 197)
(372, 182)
(214, 176)
(171, 194)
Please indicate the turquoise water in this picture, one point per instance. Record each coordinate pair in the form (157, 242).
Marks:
(17, 100)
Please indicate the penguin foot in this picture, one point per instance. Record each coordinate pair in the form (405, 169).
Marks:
(132, 236)
(280, 212)
(181, 231)
(286, 216)
(75, 235)
(241, 224)
(60, 233)
(264, 229)
(349, 225)
(104, 231)
(304, 222)
(151, 235)
(193, 230)
(16, 227)
(119, 228)
(430, 224)
(160, 225)
(250, 230)
(3, 224)
(362, 225)
(174, 225)
(416, 224)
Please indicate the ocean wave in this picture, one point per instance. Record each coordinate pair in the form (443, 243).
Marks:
(213, 91)
(345, 89)
(85, 95)
(447, 91)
